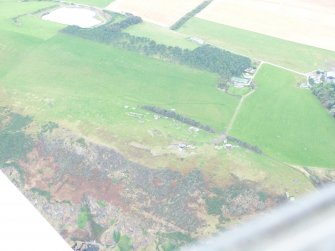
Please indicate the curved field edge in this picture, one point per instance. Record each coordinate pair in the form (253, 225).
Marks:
(288, 54)
(285, 121)
(24, 18)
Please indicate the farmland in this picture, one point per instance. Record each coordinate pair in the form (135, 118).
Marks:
(164, 12)
(286, 121)
(97, 3)
(117, 133)
(186, 90)
(16, 17)
(285, 53)
(305, 22)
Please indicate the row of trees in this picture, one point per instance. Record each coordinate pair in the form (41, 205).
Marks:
(216, 60)
(206, 57)
(190, 14)
(178, 117)
(107, 33)
(125, 23)
(326, 94)
(244, 145)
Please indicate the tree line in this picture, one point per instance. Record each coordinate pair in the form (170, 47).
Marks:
(326, 94)
(190, 14)
(206, 57)
(245, 145)
(178, 117)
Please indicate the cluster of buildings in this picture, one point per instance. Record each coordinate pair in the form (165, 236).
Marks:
(319, 77)
(245, 80)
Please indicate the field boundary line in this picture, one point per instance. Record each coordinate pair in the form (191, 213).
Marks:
(285, 68)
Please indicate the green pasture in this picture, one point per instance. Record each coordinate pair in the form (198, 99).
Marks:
(97, 3)
(82, 82)
(98, 90)
(285, 121)
(22, 17)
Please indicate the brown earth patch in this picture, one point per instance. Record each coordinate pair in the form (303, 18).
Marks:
(39, 170)
(75, 188)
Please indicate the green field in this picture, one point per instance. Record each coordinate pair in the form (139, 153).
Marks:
(97, 3)
(56, 66)
(20, 17)
(67, 78)
(161, 35)
(286, 122)
(288, 54)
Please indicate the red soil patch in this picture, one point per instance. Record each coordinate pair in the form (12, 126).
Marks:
(39, 170)
(75, 188)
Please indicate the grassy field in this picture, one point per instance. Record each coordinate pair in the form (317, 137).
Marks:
(12, 47)
(97, 3)
(288, 54)
(10, 9)
(274, 175)
(161, 35)
(82, 81)
(18, 17)
(97, 90)
(285, 121)
(35, 26)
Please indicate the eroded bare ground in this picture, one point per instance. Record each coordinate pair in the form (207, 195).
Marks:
(93, 195)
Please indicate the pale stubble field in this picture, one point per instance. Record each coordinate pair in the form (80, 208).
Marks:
(162, 12)
(303, 21)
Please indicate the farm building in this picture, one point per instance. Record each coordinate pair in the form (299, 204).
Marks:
(197, 40)
(250, 70)
(330, 77)
(317, 77)
(331, 74)
(305, 85)
(247, 75)
(240, 82)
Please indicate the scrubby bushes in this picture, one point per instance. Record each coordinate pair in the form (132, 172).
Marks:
(214, 205)
(124, 24)
(326, 95)
(14, 143)
(179, 117)
(172, 241)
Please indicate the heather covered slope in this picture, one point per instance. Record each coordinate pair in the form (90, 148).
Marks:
(91, 192)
